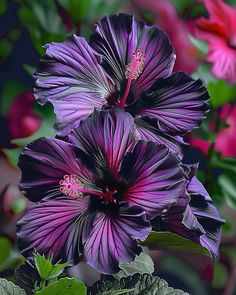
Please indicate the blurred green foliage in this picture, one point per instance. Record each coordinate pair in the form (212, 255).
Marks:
(167, 240)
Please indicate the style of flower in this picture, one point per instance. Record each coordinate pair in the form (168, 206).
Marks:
(219, 31)
(193, 216)
(96, 194)
(126, 65)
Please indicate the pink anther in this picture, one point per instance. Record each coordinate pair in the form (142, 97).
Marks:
(71, 186)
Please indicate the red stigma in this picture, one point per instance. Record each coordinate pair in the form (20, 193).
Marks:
(132, 71)
(71, 186)
(135, 66)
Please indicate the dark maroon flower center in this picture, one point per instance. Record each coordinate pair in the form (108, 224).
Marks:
(72, 187)
(132, 71)
(232, 42)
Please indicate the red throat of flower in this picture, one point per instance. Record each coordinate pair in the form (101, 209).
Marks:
(72, 187)
(132, 71)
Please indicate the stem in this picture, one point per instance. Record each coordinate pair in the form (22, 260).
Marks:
(209, 172)
(208, 177)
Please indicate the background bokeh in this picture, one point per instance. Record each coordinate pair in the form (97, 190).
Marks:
(26, 25)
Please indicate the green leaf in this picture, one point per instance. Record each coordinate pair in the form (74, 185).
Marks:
(43, 265)
(12, 259)
(225, 163)
(42, 21)
(3, 7)
(45, 268)
(5, 246)
(78, 9)
(5, 48)
(204, 72)
(174, 266)
(204, 131)
(228, 184)
(29, 69)
(200, 45)
(182, 5)
(220, 92)
(116, 292)
(140, 284)
(8, 288)
(142, 264)
(18, 205)
(14, 34)
(196, 11)
(12, 155)
(64, 286)
(220, 275)
(46, 14)
(99, 8)
(167, 240)
(229, 227)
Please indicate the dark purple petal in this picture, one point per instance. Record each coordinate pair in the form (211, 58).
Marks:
(55, 228)
(105, 137)
(43, 164)
(118, 35)
(193, 217)
(195, 187)
(210, 220)
(179, 219)
(112, 240)
(154, 177)
(207, 215)
(70, 72)
(177, 103)
(148, 131)
(211, 240)
(201, 202)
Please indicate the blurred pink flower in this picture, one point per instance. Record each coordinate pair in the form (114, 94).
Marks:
(219, 30)
(199, 143)
(12, 207)
(166, 17)
(226, 139)
(22, 120)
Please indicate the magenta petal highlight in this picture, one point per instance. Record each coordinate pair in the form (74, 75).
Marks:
(154, 177)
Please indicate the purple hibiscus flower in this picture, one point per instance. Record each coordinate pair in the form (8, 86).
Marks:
(96, 194)
(128, 65)
(193, 216)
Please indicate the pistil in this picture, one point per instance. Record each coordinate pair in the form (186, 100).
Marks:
(132, 71)
(72, 187)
